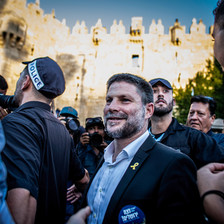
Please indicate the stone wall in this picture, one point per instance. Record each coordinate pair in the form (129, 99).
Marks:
(88, 57)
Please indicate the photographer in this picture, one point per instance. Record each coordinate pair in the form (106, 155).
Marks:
(92, 143)
(69, 117)
(5, 101)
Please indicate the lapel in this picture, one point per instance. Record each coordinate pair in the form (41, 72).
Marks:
(132, 170)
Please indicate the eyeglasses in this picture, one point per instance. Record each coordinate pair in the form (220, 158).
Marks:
(92, 120)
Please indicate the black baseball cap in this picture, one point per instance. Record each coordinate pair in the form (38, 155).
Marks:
(163, 81)
(47, 76)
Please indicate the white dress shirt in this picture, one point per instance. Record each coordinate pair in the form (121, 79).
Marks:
(108, 177)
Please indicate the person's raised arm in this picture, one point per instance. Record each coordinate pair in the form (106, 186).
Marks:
(82, 184)
(80, 217)
(22, 205)
(211, 188)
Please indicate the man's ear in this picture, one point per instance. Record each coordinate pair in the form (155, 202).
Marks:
(26, 83)
(149, 110)
(212, 118)
(174, 102)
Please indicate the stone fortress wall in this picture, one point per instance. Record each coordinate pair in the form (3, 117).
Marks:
(89, 57)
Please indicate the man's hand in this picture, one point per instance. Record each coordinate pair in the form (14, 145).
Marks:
(211, 177)
(84, 139)
(82, 184)
(3, 113)
(80, 217)
(103, 145)
(73, 194)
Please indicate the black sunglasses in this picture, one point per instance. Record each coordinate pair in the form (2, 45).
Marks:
(91, 120)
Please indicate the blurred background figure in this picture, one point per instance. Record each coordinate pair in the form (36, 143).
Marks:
(3, 100)
(218, 125)
(57, 112)
(3, 85)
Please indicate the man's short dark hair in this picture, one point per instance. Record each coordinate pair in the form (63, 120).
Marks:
(3, 83)
(219, 14)
(143, 87)
(205, 100)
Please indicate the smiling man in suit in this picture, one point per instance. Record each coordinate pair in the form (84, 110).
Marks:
(140, 180)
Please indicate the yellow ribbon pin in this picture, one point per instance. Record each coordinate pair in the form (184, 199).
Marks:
(133, 166)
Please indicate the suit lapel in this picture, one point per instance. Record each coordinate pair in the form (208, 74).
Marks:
(135, 165)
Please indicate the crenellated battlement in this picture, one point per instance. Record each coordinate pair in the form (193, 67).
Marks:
(89, 56)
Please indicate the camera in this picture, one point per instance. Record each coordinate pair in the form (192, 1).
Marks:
(95, 139)
(72, 125)
(7, 102)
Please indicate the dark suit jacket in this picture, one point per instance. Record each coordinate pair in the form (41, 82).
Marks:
(163, 186)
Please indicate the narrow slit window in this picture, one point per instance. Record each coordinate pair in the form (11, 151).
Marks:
(135, 60)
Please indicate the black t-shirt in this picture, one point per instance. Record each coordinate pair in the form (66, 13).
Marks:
(39, 157)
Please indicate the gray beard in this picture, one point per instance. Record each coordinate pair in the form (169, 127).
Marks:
(132, 126)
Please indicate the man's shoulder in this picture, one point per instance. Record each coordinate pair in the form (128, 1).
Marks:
(160, 148)
(11, 118)
(176, 126)
(219, 137)
(167, 149)
(168, 155)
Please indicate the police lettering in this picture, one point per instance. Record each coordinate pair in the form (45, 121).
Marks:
(35, 76)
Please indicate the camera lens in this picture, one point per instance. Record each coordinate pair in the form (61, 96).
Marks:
(7, 102)
(72, 125)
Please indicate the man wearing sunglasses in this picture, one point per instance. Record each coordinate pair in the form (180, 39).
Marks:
(92, 144)
(202, 115)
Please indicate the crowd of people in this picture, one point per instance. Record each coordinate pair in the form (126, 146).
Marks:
(137, 165)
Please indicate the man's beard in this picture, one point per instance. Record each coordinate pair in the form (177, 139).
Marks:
(161, 111)
(134, 123)
(18, 95)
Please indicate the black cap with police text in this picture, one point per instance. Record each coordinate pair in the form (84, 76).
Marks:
(163, 81)
(47, 76)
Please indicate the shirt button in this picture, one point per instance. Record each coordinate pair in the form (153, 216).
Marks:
(94, 215)
(100, 189)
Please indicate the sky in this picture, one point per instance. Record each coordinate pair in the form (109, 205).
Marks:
(108, 10)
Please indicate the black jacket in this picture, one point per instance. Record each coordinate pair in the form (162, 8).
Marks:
(163, 186)
(202, 148)
(219, 137)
